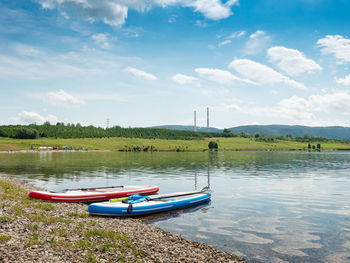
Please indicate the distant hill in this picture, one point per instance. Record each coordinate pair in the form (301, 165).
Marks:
(187, 128)
(332, 132)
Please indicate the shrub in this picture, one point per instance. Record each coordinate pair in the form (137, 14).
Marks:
(213, 145)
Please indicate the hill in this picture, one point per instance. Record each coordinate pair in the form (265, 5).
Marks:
(332, 132)
(187, 128)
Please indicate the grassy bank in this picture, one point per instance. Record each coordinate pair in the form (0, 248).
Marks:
(116, 144)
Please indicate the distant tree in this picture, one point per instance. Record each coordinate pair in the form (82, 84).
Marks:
(318, 146)
(309, 146)
(313, 147)
(257, 135)
(213, 145)
(289, 135)
(26, 133)
(226, 130)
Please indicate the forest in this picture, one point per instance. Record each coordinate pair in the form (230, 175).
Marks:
(65, 131)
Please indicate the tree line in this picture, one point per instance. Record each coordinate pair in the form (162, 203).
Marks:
(62, 130)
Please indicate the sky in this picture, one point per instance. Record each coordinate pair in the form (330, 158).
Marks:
(142, 63)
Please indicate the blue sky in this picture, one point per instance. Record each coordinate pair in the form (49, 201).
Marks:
(144, 63)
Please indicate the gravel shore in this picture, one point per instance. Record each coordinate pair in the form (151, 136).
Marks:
(35, 231)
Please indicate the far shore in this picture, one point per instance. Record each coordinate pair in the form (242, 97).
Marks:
(37, 231)
(50, 151)
(8, 145)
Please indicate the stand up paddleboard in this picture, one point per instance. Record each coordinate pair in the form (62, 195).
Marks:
(94, 194)
(141, 205)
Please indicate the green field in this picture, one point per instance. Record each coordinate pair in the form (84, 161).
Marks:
(115, 144)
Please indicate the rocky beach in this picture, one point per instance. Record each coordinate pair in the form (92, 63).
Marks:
(38, 231)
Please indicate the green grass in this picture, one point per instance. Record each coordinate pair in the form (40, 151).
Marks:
(95, 241)
(115, 144)
(4, 238)
(77, 214)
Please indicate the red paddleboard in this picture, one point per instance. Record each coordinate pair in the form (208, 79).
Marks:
(94, 194)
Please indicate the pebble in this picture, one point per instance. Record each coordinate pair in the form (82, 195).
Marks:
(157, 244)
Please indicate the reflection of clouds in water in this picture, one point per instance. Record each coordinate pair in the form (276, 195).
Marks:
(250, 238)
(277, 260)
(294, 240)
(340, 257)
(336, 211)
(199, 236)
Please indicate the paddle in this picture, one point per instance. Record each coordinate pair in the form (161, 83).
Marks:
(205, 189)
(92, 188)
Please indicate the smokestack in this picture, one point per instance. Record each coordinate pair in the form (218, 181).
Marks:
(195, 122)
(207, 119)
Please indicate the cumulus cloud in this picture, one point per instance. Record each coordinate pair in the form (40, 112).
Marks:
(336, 45)
(257, 42)
(343, 81)
(338, 101)
(212, 9)
(292, 61)
(220, 76)
(29, 117)
(101, 40)
(262, 74)
(297, 110)
(115, 12)
(140, 73)
(184, 79)
(62, 98)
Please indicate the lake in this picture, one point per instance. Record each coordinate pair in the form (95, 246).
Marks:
(265, 207)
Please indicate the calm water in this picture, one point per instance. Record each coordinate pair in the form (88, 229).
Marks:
(271, 207)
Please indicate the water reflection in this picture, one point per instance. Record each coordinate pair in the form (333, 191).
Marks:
(272, 207)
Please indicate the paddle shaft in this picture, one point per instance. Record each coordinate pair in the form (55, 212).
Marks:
(184, 194)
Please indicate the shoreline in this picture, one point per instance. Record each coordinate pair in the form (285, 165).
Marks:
(38, 231)
(49, 151)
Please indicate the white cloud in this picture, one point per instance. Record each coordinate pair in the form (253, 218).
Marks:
(262, 74)
(62, 98)
(172, 19)
(343, 81)
(140, 73)
(85, 63)
(115, 12)
(292, 61)
(337, 101)
(109, 12)
(225, 42)
(256, 43)
(29, 117)
(25, 50)
(237, 35)
(212, 9)
(220, 76)
(102, 40)
(297, 110)
(184, 79)
(336, 45)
